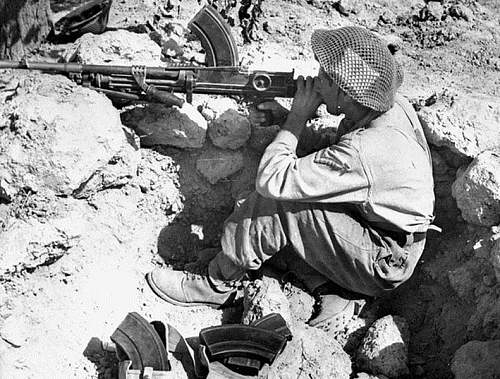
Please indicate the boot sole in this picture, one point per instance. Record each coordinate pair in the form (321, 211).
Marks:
(161, 295)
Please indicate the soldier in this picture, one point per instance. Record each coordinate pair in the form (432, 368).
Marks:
(355, 211)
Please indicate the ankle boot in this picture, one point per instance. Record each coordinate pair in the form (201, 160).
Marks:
(335, 304)
(188, 289)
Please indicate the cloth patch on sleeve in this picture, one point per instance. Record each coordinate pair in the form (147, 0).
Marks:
(329, 158)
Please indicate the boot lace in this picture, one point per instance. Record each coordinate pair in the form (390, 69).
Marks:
(203, 275)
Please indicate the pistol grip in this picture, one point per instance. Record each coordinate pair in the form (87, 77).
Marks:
(268, 114)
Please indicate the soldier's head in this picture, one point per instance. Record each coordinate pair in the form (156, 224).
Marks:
(357, 68)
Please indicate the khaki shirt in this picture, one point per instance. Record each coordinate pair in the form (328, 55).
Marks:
(384, 169)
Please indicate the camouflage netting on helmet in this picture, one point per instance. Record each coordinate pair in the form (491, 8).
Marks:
(360, 63)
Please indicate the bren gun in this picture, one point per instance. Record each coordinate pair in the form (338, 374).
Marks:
(221, 76)
(158, 83)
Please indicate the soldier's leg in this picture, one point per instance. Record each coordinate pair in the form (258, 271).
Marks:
(331, 238)
(251, 234)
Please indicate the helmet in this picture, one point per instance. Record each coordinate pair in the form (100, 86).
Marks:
(91, 17)
(360, 63)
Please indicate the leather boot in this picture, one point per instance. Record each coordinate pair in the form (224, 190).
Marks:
(188, 289)
(335, 305)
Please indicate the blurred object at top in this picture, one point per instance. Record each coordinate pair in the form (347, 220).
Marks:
(91, 17)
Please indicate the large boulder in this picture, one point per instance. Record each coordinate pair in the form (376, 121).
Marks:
(350, 331)
(471, 272)
(475, 283)
(310, 354)
(477, 190)
(466, 123)
(217, 164)
(485, 321)
(228, 128)
(231, 130)
(119, 47)
(54, 135)
(262, 297)
(384, 350)
(156, 124)
(212, 106)
(477, 360)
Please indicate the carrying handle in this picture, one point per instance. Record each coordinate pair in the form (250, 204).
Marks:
(163, 97)
(154, 94)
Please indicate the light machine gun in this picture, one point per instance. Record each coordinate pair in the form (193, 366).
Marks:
(221, 76)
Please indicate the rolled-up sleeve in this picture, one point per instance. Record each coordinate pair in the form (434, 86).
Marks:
(332, 174)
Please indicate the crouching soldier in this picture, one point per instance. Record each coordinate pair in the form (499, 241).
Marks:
(355, 211)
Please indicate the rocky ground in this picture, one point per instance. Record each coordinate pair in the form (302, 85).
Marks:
(94, 195)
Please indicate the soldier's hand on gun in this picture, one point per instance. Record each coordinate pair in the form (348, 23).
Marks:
(259, 114)
(307, 99)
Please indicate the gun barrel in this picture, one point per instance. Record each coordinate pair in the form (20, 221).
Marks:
(87, 68)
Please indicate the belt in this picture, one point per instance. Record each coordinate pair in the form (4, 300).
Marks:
(403, 238)
(412, 238)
